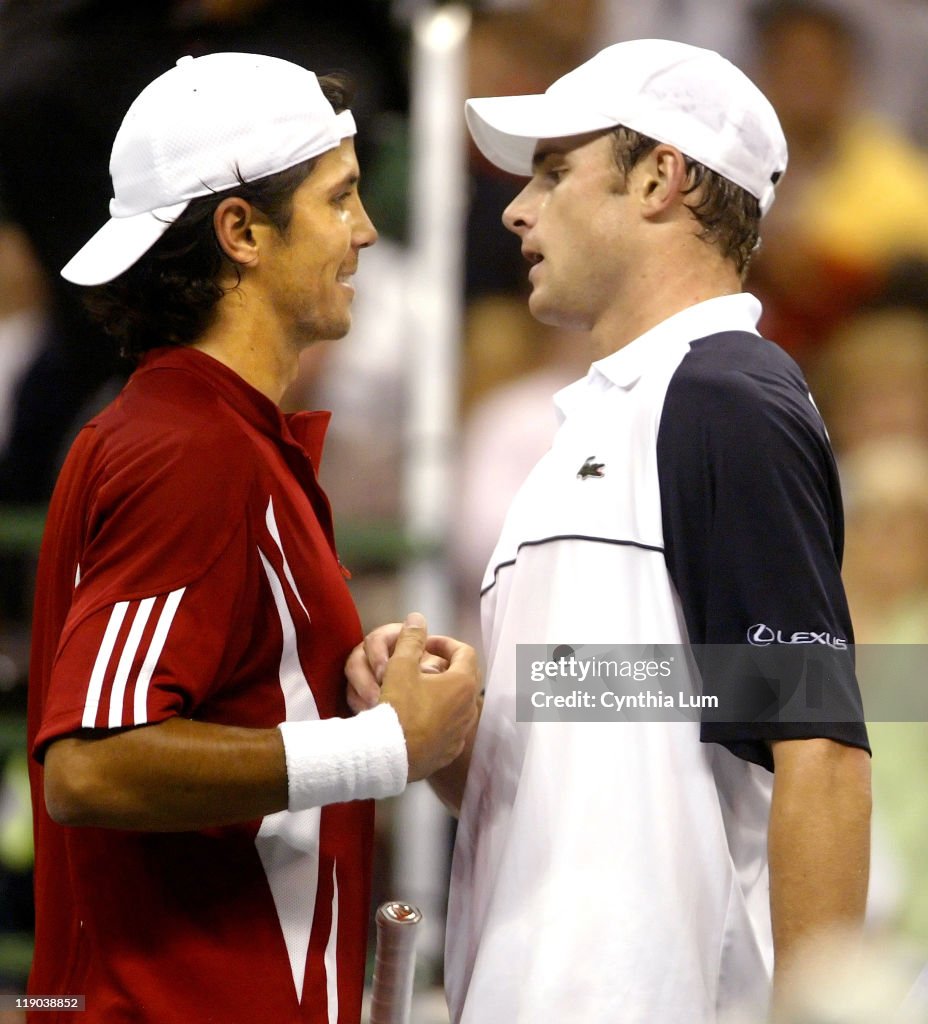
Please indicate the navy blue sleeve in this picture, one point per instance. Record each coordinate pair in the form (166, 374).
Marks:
(753, 535)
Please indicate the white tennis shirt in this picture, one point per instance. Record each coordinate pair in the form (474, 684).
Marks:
(617, 871)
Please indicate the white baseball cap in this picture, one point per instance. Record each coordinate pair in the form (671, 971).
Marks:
(204, 126)
(685, 96)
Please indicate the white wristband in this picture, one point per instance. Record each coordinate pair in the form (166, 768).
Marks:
(339, 759)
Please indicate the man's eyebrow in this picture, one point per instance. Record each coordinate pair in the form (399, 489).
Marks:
(541, 155)
(349, 180)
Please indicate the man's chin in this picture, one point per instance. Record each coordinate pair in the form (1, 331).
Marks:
(332, 330)
(543, 311)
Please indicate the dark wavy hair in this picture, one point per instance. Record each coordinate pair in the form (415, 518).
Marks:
(729, 216)
(169, 296)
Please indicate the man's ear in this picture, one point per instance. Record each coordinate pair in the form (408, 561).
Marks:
(662, 178)
(233, 221)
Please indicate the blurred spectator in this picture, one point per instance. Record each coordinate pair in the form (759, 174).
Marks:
(22, 313)
(22, 319)
(821, 258)
(895, 77)
(870, 379)
(885, 483)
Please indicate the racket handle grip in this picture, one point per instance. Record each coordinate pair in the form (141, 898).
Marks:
(394, 963)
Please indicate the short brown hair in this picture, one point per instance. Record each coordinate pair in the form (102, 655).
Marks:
(729, 216)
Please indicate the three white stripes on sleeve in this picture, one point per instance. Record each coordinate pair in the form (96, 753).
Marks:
(127, 659)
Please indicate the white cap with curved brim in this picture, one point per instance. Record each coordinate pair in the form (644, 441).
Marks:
(682, 95)
(206, 125)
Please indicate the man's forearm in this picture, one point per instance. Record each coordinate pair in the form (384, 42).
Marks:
(819, 843)
(174, 776)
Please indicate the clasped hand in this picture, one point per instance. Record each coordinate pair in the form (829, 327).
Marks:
(432, 682)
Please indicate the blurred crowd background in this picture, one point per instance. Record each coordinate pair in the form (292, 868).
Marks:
(842, 274)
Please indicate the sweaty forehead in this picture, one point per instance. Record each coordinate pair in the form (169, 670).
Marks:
(336, 165)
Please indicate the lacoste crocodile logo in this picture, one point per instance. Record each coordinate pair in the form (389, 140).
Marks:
(591, 468)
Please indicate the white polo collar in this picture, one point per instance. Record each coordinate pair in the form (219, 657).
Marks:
(740, 312)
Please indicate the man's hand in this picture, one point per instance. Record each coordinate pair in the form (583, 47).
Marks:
(431, 682)
(366, 666)
(367, 663)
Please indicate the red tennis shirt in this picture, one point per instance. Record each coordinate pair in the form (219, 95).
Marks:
(188, 568)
